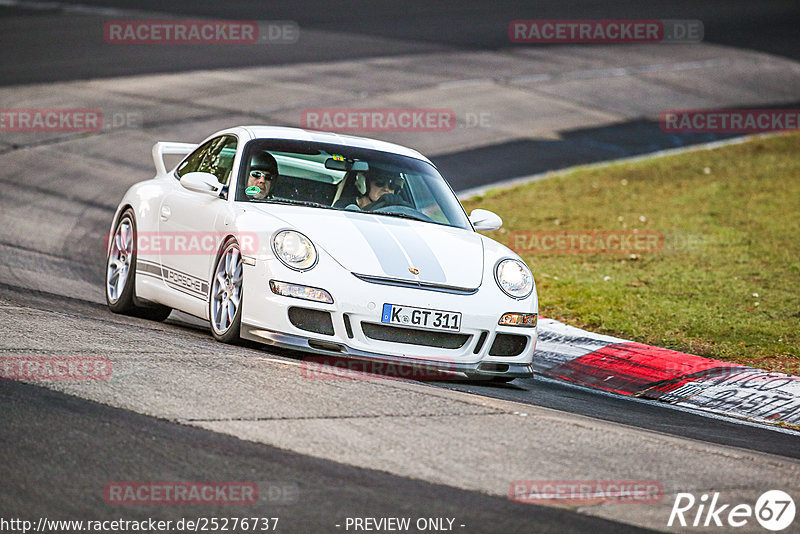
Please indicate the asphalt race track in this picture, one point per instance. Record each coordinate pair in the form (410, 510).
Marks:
(47, 44)
(144, 448)
(321, 449)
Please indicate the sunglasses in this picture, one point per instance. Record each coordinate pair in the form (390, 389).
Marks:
(262, 174)
(382, 182)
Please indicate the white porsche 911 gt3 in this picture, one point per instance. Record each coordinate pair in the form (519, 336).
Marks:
(324, 243)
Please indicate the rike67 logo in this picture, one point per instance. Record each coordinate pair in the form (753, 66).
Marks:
(774, 510)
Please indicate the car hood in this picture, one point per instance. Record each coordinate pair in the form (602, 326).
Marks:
(390, 247)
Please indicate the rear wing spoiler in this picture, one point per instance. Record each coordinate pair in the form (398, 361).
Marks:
(166, 147)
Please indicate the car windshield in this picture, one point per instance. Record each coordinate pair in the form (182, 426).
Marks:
(339, 177)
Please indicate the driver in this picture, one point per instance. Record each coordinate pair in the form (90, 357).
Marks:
(263, 170)
(376, 191)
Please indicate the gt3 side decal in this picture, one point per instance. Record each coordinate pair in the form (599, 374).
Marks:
(148, 268)
(178, 280)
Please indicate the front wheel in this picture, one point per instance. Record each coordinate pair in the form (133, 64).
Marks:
(121, 273)
(225, 304)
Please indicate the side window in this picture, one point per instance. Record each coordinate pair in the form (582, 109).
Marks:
(215, 157)
(192, 162)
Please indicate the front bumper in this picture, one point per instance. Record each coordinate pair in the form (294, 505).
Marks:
(354, 328)
(336, 348)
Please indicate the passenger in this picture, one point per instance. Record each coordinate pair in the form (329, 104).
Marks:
(372, 188)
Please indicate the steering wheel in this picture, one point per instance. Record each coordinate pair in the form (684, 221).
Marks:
(387, 200)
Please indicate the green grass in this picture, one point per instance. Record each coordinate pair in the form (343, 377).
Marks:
(730, 218)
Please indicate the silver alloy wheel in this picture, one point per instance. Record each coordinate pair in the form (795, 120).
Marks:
(226, 291)
(119, 260)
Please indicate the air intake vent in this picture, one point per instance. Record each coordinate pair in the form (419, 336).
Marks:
(413, 336)
(508, 345)
(309, 320)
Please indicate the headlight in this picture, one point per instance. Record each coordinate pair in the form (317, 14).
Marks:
(295, 250)
(514, 278)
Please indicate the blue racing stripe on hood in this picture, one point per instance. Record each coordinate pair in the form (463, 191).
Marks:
(390, 256)
(418, 251)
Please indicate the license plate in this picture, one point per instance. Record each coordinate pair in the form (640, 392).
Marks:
(421, 318)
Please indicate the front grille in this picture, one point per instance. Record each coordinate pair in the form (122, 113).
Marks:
(508, 345)
(413, 336)
(310, 320)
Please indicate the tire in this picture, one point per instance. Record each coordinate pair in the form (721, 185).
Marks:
(225, 299)
(120, 281)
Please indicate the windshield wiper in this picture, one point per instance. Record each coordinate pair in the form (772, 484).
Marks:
(292, 202)
(403, 216)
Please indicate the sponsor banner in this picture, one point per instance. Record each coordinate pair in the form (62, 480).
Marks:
(379, 119)
(55, 368)
(606, 31)
(334, 368)
(729, 120)
(752, 393)
(585, 492)
(624, 242)
(180, 493)
(198, 32)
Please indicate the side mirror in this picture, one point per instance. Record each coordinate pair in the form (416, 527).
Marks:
(485, 220)
(201, 182)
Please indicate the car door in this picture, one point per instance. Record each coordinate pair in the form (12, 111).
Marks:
(188, 226)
